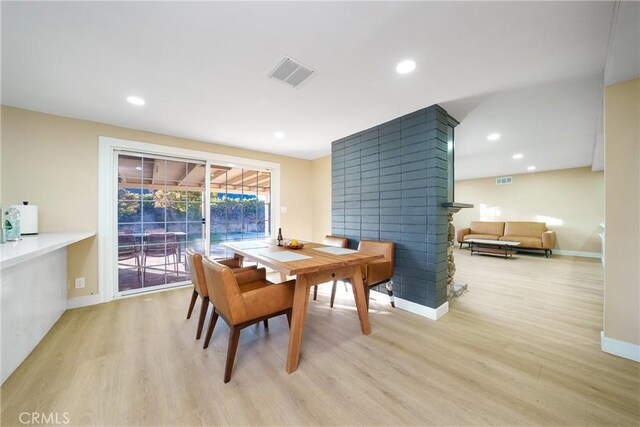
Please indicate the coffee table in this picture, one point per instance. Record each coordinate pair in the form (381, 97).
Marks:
(492, 247)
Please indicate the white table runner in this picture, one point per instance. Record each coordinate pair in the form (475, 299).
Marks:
(335, 251)
(284, 256)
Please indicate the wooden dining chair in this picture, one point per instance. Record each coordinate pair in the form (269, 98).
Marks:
(194, 263)
(240, 308)
(338, 242)
(380, 271)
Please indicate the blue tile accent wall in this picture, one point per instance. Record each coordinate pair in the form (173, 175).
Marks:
(389, 183)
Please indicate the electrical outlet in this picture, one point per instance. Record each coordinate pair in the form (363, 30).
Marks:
(79, 282)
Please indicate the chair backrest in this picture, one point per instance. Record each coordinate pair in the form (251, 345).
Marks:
(154, 230)
(338, 242)
(196, 271)
(171, 241)
(224, 291)
(161, 244)
(495, 228)
(387, 249)
(126, 244)
(525, 229)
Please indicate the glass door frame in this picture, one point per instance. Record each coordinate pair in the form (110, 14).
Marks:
(224, 226)
(108, 149)
(204, 202)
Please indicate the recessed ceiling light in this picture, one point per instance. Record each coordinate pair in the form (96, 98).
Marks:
(493, 136)
(518, 156)
(278, 135)
(531, 168)
(135, 100)
(138, 168)
(406, 66)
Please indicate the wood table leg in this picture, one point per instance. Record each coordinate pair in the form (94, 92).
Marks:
(283, 277)
(361, 302)
(298, 315)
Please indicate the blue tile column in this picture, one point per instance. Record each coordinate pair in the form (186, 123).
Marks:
(389, 183)
(337, 188)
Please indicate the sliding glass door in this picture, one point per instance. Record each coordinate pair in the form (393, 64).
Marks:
(161, 207)
(162, 210)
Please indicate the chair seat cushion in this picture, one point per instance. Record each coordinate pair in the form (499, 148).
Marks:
(230, 262)
(243, 269)
(246, 287)
(481, 236)
(249, 274)
(243, 288)
(525, 242)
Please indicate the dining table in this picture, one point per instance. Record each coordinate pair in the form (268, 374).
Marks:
(311, 265)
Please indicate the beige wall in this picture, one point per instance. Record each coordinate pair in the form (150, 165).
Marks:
(570, 201)
(622, 184)
(321, 178)
(52, 161)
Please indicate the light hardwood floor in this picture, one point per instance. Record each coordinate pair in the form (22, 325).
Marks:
(521, 347)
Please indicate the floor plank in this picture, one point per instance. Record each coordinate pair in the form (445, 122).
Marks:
(520, 347)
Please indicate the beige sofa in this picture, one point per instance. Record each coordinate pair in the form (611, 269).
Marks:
(531, 235)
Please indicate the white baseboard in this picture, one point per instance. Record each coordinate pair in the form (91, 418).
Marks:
(83, 301)
(577, 253)
(412, 307)
(150, 291)
(620, 348)
(88, 300)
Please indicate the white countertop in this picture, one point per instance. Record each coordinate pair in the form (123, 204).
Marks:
(12, 253)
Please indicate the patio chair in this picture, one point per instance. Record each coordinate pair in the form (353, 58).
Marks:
(160, 245)
(155, 231)
(127, 249)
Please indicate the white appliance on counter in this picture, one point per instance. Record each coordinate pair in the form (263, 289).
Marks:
(28, 218)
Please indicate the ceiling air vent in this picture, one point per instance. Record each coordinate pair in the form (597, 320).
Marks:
(504, 180)
(291, 72)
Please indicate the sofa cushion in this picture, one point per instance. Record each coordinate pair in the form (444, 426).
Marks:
(526, 229)
(487, 227)
(525, 241)
(481, 236)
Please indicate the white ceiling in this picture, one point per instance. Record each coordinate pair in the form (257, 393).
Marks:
(529, 70)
